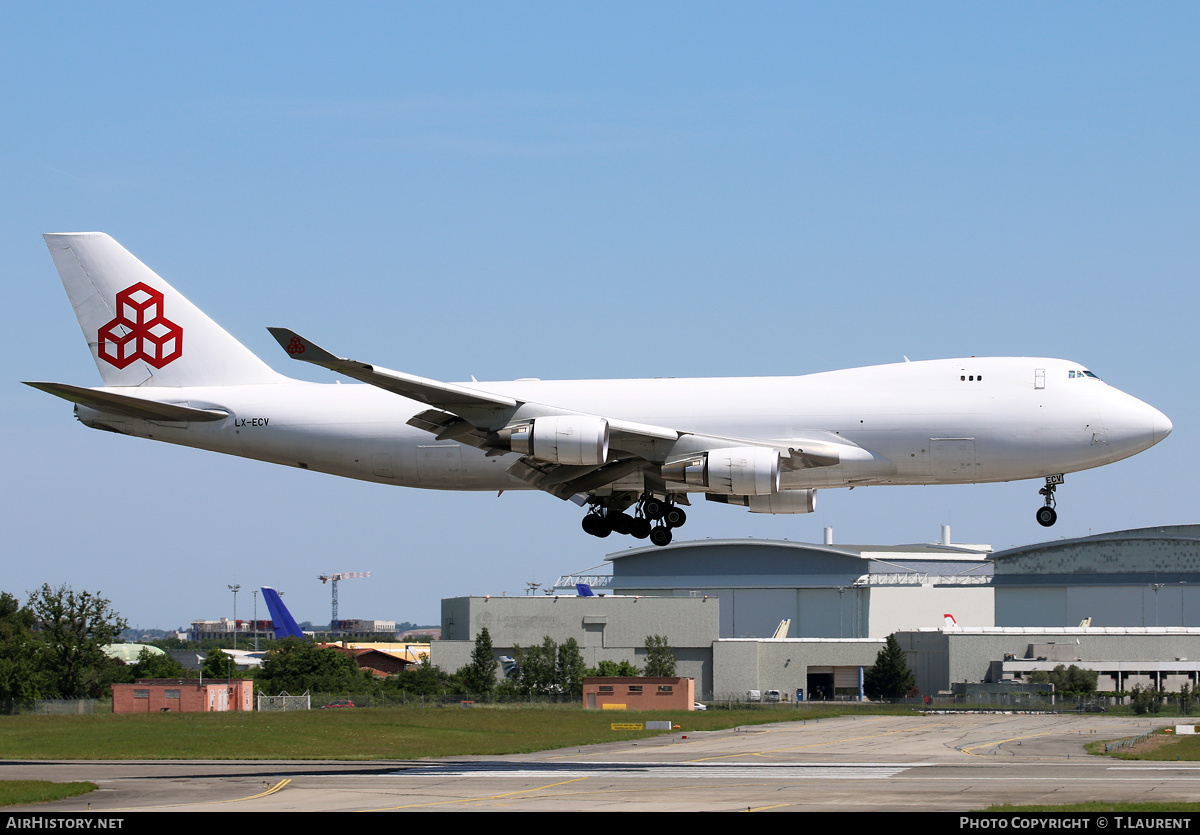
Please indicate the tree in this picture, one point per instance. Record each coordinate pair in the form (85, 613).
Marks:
(1073, 679)
(890, 678)
(536, 667)
(296, 665)
(216, 665)
(1145, 700)
(159, 665)
(22, 673)
(569, 668)
(611, 669)
(423, 679)
(660, 657)
(480, 676)
(74, 628)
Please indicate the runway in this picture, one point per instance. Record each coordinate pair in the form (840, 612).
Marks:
(869, 763)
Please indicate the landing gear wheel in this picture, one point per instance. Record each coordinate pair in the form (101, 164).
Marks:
(674, 517)
(654, 509)
(596, 525)
(1047, 516)
(620, 522)
(660, 535)
(640, 529)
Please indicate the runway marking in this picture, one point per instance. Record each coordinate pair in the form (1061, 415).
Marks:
(675, 770)
(970, 750)
(916, 729)
(266, 793)
(475, 799)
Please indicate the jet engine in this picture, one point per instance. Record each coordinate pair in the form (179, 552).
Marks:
(785, 501)
(559, 439)
(737, 471)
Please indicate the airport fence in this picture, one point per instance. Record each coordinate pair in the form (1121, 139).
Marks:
(62, 707)
(459, 700)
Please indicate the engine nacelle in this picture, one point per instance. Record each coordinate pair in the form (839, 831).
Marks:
(737, 471)
(785, 501)
(559, 439)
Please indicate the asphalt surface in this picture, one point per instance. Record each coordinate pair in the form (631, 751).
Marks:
(875, 763)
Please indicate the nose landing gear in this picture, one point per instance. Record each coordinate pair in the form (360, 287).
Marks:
(1047, 515)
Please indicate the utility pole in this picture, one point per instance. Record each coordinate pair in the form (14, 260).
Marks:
(235, 588)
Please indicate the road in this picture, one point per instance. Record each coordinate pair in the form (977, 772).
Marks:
(875, 763)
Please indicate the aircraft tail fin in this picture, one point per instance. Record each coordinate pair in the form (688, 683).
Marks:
(141, 330)
(285, 624)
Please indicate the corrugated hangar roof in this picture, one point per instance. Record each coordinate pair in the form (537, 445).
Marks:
(1164, 553)
(769, 562)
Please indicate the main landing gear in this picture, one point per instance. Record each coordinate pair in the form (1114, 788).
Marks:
(654, 518)
(1046, 514)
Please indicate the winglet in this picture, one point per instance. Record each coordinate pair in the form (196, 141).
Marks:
(299, 348)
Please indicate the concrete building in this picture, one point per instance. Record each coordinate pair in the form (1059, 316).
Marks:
(819, 668)
(1164, 658)
(606, 628)
(827, 591)
(717, 601)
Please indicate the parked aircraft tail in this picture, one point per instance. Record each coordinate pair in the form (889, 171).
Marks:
(141, 330)
(285, 624)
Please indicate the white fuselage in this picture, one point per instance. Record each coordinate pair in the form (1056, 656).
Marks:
(932, 422)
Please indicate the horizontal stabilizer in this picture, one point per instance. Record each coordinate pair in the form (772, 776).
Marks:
(123, 404)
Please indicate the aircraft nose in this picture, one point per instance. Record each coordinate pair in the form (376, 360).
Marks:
(1161, 425)
(1135, 425)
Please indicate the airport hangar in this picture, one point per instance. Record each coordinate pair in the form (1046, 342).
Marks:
(718, 602)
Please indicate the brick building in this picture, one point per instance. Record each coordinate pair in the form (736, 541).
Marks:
(162, 695)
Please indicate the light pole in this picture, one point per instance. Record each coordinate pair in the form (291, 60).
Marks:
(255, 593)
(235, 588)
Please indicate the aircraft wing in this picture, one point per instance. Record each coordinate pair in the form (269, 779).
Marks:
(481, 405)
(457, 400)
(474, 417)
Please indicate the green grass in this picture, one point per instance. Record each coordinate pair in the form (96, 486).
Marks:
(359, 734)
(1099, 806)
(1166, 747)
(1177, 748)
(22, 792)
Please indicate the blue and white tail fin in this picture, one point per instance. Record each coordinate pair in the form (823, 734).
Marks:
(141, 330)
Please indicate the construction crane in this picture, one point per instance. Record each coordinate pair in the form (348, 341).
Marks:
(345, 575)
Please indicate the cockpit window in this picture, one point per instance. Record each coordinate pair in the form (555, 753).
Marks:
(1081, 374)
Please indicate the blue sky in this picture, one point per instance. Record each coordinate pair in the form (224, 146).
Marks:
(582, 190)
